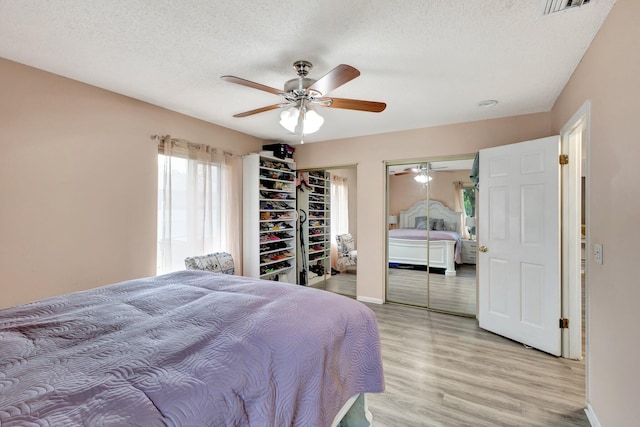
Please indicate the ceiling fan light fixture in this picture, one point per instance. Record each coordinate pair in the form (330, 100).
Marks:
(422, 178)
(306, 122)
(289, 118)
(311, 122)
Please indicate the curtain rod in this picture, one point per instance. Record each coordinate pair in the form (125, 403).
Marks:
(161, 137)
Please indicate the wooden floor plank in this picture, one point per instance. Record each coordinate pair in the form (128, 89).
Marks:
(456, 294)
(443, 370)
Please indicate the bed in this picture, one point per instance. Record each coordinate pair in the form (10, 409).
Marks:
(428, 235)
(188, 348)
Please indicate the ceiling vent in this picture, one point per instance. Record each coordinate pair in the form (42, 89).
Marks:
(548, 7)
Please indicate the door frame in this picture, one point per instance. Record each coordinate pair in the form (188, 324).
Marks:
(571, 290)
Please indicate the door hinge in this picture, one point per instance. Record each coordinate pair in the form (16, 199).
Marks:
(564, 159)
(564, 323)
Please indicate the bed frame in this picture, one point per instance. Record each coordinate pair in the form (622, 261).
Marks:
(441, 253)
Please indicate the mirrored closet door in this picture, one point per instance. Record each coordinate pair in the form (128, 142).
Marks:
(407, 275)
(431, 237)
(327, 250)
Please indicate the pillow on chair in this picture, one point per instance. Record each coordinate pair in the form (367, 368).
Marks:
(347, 255)
(218, 262)
(345, 244)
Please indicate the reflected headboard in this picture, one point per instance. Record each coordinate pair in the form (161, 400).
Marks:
(452, 219)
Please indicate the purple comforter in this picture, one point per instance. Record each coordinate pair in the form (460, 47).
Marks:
(432, 235)
(188, 348)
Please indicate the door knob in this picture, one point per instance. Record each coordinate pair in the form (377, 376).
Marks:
(483, 249)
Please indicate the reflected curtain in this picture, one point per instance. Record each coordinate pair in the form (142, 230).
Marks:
(339, 213)
(459, 207)
(191, 215)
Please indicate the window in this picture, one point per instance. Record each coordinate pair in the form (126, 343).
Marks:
(190, 204)
(469, 198)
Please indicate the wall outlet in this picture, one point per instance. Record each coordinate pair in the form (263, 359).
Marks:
(597, 252)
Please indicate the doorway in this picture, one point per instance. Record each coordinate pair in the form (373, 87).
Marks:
(531, 285)
(431, 246)
(574, 144)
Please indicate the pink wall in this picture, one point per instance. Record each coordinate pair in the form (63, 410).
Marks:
(370, 154)
(609, 78)
(404, 190)
(78, 182)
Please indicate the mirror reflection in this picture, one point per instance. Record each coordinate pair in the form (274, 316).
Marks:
(431, 238)
(327, 251)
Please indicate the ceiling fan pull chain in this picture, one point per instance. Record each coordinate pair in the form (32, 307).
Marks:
(300, 126)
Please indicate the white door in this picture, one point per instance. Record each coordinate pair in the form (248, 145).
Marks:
(519, 242)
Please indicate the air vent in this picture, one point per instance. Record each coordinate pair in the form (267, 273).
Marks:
(548, 7)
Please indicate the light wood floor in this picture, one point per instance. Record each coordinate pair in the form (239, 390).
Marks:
(443, 370)
(456, 294)
(343, 284)
(452, 294)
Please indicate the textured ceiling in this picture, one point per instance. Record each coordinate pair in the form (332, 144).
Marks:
(431, 61)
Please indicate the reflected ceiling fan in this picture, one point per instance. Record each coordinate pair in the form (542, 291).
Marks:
(410, 170)
(302, 94)
(418, 169)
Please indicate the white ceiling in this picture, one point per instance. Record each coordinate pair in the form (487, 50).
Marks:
(431, 61)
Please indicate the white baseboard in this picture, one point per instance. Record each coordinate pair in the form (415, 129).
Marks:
(370, 300)
(593, 420)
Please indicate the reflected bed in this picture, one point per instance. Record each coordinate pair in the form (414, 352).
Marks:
(416, 242)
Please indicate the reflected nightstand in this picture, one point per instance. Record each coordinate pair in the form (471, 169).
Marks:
(469, 250)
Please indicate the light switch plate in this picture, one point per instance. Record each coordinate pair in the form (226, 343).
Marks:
(597, 252)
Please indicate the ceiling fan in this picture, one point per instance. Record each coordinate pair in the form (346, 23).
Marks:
(418, 169)
(302, 94)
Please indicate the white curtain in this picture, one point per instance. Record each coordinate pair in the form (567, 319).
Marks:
(459, 207)
(339, 206)
(191, 211)
(339, 212)
(231, 205)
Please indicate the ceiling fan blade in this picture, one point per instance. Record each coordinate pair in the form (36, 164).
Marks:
(254, 85)
(259, 110)
(335, 78)
(356, 104)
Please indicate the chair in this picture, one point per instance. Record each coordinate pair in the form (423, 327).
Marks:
(218, 262)
(347, 255)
